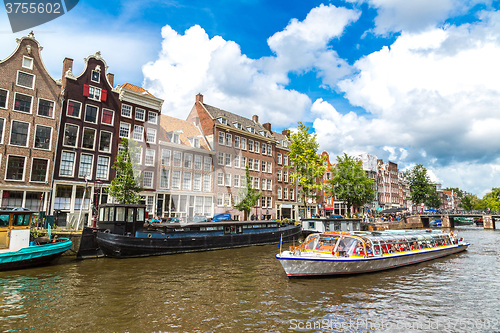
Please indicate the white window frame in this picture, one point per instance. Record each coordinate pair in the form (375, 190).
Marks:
(107, 168)
(46, 171)
(229, 140)
(169, 157)
(187, 185)
(207, 161)
(14, 103)
(92, 76)
(50, 139)
(91, 165)
(93, 95)
(79, 113)
(6, 99)
(27, 136)
(96, 114)
(138, 135)
(197, 182)
(243, 144)
(150, 113)
(220, 179)
(256, 147)
(95, 138)
(222, 138)
(17, 80)
(53, 109)
(110, 142)
(138, 111)
(6, 168)
(3, 131)
(77, 135)
(150, 185)
(72, 169)
(112, 118)
(175, 160)
(149, 132)
(30, 59)
(120, 129)
(227, 160)
(150, 154)
(125, 107)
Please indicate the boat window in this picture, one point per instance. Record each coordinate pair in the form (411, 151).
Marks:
(245, 226)
(130, 215)
(111, 213)
(230, 229)
(347, 245)
(312, 225)
(240, 229)
(120, 214)
(21, 220)
(140, 214)
(101, 214)
(4, 220)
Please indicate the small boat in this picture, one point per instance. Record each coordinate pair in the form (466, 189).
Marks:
(341, 253)
(17, 250)
(122, 232)
(435, 224)
(463, 221)
(479, 221)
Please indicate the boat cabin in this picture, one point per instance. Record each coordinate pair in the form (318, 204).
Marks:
(330, 224)
(121, 219)
(14, 228)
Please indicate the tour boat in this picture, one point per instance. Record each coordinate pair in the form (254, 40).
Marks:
(340, 253)
(123, 232)
(16, 249)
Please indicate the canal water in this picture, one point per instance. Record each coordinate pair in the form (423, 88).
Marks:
(246, 290)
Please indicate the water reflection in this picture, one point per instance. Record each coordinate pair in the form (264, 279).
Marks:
(246, 290)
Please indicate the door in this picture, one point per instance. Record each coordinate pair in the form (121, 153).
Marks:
(4, 231)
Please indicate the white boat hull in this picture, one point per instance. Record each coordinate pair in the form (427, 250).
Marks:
(317, 264)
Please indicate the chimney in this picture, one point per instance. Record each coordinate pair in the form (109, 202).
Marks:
(255, 118)
(286, 132)
(67, 65)
(111, 79)
(199, 98)
(267, 126)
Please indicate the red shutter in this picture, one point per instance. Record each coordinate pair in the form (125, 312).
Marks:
(86, 90)
(104, 95)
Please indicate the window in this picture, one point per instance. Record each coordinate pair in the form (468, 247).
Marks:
(229, 140)
(264, 149)
(280, 160)
(263, 167)
(279, 175)
(269, 185)
(4, 94)
(152, 117)
(27, 62)
(138, 133)
(285, 193)
(269, 150)
(222, 137)
(285, 160)
(285, 176)
(22, 103)
(42, 136)
(292, 194)
(67, 162)
(280, 194)
(256, 165)
(186, 181)
(2, 127)
(105, 142)
(269, 202)
(264, 187)
(73, 109)
(19, 133)
(250, 164)
(206, 183)
(250, 145)
(94, 93)
(165, 157)
(228, 160)
(227, 179)
(85, 169)
(102, 167)
(236, 141)
(197, 162)
(177, 158)
(243, 163)
(151, 135)
(236, 180)
(45, 108)
(140, 114)
(164, 175)
(176, 138)
(70, 135)
(237, 125)
(124, 130)
(256, 148)
(251, 129)
(137, 157)
(126, 111)
(243, 143)
(15, 168)
(95, 76)
(188, 161)
(91, 114)
(236, 161)
(39, 170)
(197, 182)
(150, 157)
(223, 121)
(220, 158)
(220, 199)
(25, 80)
(207, 163)
(220, 179)
(148, 179)
(176, 179)
(107, 116)
(195, 142)
(88, 140)
(227, 199)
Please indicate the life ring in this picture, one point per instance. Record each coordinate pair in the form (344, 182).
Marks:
(149, 235)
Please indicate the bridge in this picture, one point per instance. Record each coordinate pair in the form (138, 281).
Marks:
(448, 220)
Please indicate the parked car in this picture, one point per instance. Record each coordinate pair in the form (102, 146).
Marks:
(174, 219)
(197, 219)
(222, 217)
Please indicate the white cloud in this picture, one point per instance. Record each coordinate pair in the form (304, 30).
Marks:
(194, 62)
(430, 100)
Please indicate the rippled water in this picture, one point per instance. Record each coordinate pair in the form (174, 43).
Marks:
(246, 290)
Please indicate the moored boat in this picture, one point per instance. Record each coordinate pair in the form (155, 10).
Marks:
(463, 221)
(123, 232)
(340, 253)
(17, 250)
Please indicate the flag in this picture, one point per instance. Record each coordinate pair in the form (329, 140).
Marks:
(281, 242)
(48, 231)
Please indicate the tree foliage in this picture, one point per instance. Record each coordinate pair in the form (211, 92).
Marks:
(125, 186)
(306, 167)
(349, 183)
(469, 202)
(459, 192)
(491, 200)
(419, 183)
(248, 196)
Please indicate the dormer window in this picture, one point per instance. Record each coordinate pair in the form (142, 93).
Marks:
(95, 76)
(175, 137)
(223, 121)
(237, 125)
(27, 62)
(195, 142)
(251, 129)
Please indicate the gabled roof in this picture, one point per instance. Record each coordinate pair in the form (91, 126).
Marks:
(279, 137)
(132, 87)
(185, 129)
(232, 118)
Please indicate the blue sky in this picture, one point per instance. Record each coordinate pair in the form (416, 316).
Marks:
(407, 81)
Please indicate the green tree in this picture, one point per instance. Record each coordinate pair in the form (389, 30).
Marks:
(306, 167)
(469, 202)
(349, 183)
(125, 186)
(248, 196)
(420, 184)
(433, 200)
(491, 200)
